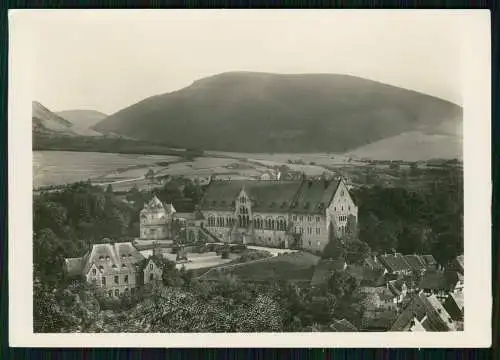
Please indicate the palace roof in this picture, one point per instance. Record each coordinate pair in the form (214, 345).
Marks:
(306, 196)
(314, 196)
(266, 196)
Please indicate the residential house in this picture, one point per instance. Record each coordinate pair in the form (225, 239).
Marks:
(457, 264)
(430, 262)
(371, 262)
(424, 313)
(395, 264)
(151, 269)
(377, 298)
(454, 305)
(441, 283)
(112, 268)
(342, 326)
(416, 262)
(398, 289)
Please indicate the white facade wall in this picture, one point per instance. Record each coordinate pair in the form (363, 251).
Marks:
(340, 208)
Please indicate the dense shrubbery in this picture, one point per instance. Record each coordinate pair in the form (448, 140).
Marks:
(427, 221)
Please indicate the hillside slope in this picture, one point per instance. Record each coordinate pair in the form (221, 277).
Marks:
(45, 122)
(259, 112)
(82, 118)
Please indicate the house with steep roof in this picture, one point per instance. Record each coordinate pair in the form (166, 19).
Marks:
(457, 264)
(111, 268)
(441, 283)
(424, 313)
(278, 213)
(395, 264)
(416, 262)
(342, 326)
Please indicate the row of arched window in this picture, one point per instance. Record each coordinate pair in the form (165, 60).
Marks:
(270, 224)
(244, 221)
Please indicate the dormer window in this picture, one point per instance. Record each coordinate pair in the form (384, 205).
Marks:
(101, 258)
(108, 258)
(101, 267)
(114, 266)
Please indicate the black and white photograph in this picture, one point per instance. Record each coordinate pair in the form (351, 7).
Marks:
(251, 172)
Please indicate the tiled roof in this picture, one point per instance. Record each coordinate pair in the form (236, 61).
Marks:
(325, 268)
(395, 286)
(429, 260)
(420, 307)
(343, 326)
(382, 292)
(108, 259)
(270, 196)
(304, 196)
(454, 305)
(314, 196)
(394, 262)
(416, 262)
(439, 280)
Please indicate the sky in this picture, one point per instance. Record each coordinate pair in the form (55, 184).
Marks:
(107, 60)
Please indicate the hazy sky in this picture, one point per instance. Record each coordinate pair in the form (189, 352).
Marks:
(106, 60)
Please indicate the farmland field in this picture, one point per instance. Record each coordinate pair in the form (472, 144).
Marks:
(60, 167)
(126, 170)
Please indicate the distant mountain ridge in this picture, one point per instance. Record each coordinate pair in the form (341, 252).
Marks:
(82, 118)
(261, 112)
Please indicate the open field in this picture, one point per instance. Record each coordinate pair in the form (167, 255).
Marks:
(60, 167)
(297, 266)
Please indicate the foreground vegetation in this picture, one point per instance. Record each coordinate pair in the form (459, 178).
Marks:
(66, 223)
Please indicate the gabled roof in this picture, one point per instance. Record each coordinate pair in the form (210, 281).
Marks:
(454, 305)
(415, 262)
(108, 258)
(395, 286)
(427, 310)
(439, 280)
(394, 262)
(429, 260)
(314, 196)
(266, 195)
(324, 268)
(343, 326)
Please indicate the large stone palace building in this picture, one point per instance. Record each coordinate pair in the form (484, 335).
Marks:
(280, 213)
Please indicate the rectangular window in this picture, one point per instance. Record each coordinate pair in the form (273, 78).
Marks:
(103, 281)
(309, 218)
(94, 271)
(301, 218)
(150, 266)
(318, 231)
(317, 218)
(125, 279)
(117, 280)
(295, 218)
(309, 230)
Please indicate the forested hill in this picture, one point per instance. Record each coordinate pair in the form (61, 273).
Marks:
(261, 112)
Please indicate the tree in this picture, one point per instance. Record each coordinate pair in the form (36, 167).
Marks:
(342, 284)
(333, 249)
(356, 251)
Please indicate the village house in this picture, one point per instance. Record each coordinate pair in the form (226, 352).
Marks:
(111, 268)
(424, 313)
(441, 283)
(457, 264)
(398, 289)
(454, 305)
(395, 264)
(302, 214)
